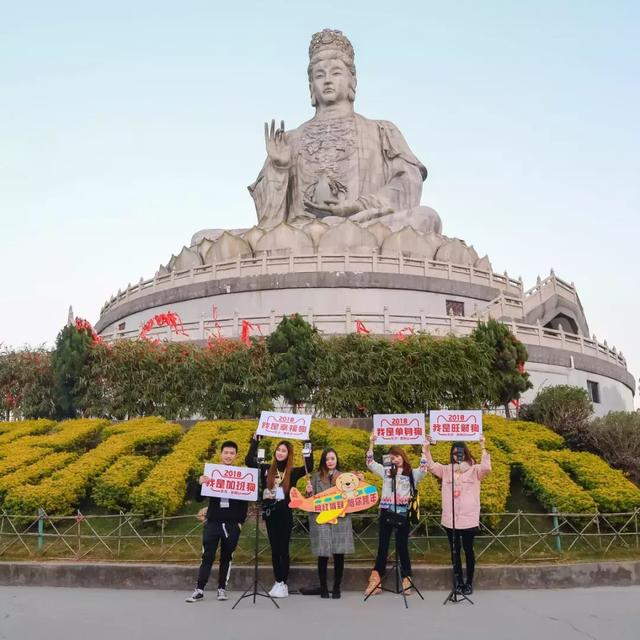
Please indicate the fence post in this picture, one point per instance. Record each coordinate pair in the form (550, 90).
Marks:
(41, 515)
(79, 521)
(556, 527)
(162, 532)
(119, 532)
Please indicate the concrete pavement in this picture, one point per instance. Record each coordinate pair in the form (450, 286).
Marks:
(58, 613)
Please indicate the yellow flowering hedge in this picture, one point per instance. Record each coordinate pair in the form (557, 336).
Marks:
(34, 471)
(573, 482)
(608, 487)
(70, 435)
(63, 491)
(166, 486)
(15, 430)
(18, 456)
(113, 488)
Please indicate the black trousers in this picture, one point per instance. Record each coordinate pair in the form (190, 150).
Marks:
(464, 536)
(402, 545)
(227, 535)
(279, 525)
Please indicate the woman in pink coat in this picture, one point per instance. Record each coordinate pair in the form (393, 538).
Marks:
(466, 476)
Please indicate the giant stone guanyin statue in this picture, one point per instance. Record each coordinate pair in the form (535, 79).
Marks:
(339, 164)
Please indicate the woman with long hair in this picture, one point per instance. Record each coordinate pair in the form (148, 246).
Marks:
(329, 539)
(276, 480)
(399, 483)
(461, 480)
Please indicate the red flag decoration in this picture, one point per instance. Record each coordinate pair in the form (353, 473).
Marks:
(403, 333)
(84, 325)
(217, 329)
(170, 319)
(247, 328)
(361, 328)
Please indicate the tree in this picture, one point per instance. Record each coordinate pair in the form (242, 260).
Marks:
(509, 379)
(71, 373)
(294, 348)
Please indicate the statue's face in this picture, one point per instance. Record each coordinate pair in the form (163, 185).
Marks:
(330, 81)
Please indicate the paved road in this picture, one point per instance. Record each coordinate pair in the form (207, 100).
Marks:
(57, 613)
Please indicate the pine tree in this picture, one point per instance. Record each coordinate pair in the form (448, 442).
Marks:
(70, 369)
(294, 347)
(510, 379)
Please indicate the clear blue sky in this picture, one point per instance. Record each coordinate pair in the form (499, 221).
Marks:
(127, 126)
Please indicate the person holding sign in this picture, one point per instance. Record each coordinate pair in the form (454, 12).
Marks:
(399, 483)
(463, 501)
(223, 521)
(330, 539)
(277, 479)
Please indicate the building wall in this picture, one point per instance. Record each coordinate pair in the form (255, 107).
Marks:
(250, 304)
(614, 395)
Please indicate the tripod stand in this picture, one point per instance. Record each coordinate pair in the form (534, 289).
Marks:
(257, 589)
(396, 522)
(455, 594)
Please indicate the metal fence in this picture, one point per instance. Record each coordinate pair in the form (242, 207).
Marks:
(519, 537)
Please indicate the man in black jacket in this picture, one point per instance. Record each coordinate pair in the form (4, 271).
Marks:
(224, 519)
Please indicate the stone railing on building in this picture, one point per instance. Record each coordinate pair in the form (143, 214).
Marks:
(502, 307)
(276, 264)
(545, 289)
(384, 324)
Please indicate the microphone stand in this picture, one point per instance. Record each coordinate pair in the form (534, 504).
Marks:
(455, 594)
(393, 470)
(257, 588)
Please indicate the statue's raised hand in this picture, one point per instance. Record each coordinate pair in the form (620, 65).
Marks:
(344, 209)
(277, 144)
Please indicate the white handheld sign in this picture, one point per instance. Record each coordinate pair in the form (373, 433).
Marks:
(399, 428)
(230, 483)
(455, 425)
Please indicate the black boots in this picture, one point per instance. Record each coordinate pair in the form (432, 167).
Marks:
(338, 571)
(322, 573)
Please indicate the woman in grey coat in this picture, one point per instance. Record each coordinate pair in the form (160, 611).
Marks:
(329, 539)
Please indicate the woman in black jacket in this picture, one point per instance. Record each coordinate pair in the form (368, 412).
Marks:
(276, 480)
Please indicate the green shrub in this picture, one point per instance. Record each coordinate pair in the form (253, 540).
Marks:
(616, 437)
(566, 410)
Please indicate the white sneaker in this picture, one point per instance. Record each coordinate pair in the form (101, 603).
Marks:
(281, 590)
(222, 594)
(196, 596)
(274, 590)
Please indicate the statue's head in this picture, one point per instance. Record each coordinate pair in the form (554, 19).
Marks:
(331, 71)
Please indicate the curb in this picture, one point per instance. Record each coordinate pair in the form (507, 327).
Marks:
(182, 577)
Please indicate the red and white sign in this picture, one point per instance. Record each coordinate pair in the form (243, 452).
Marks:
(231, 483)
(399, 428)
(455, 425)
(284, 425)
